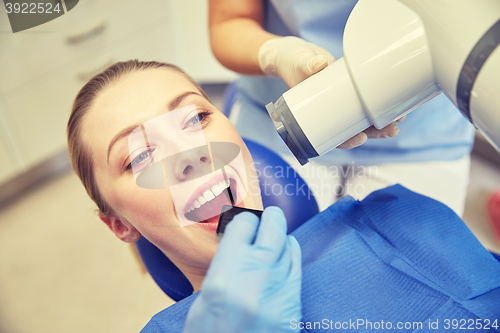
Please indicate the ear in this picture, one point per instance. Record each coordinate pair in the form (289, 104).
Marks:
(123, 230)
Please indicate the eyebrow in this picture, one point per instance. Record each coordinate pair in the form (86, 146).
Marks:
(171, 106)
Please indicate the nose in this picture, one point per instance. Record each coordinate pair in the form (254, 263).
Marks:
(191, 164)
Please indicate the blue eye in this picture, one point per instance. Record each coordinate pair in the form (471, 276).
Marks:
(199, 118)
(143, 158)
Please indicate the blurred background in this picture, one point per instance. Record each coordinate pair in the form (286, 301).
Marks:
(61, 270)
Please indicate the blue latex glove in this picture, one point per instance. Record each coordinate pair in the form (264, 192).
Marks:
(251, 286)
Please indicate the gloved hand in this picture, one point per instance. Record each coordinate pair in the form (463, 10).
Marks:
(372, 132)
(294, 60)
(251, 286)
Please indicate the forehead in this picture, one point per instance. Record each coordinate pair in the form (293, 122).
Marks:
(133, 99)
(139, 95)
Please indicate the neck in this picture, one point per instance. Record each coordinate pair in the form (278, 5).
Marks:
(195, 275)
(196, 281)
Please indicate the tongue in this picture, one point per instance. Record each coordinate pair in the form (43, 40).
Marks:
(210, 211)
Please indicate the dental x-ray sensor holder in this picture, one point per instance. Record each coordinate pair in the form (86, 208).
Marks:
(398, 54)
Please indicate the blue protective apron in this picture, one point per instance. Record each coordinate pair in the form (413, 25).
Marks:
(396, 257)
(435, 131)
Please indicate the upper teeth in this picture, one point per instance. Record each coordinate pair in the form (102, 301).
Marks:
(210, 194)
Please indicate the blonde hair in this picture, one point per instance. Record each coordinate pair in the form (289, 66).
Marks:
(81, 156)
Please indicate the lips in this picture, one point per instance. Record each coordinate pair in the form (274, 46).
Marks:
(207, 208)
(209, 195)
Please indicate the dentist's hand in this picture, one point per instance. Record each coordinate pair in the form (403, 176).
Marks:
(372, 132)
(251, 286)
(294, 60)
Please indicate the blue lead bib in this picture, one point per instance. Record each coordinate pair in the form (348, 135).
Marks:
(395, 261)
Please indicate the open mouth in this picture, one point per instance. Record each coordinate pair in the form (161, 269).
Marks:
(208, 206)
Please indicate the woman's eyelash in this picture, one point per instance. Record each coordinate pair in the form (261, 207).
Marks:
(145, 155)
(199, 118)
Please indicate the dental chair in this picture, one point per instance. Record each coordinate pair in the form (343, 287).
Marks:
(297, 208)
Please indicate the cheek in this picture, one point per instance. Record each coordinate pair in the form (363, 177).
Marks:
(152, 213)
(230, 134)
(144, 208)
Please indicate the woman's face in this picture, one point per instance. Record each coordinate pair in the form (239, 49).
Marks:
(157, 119)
